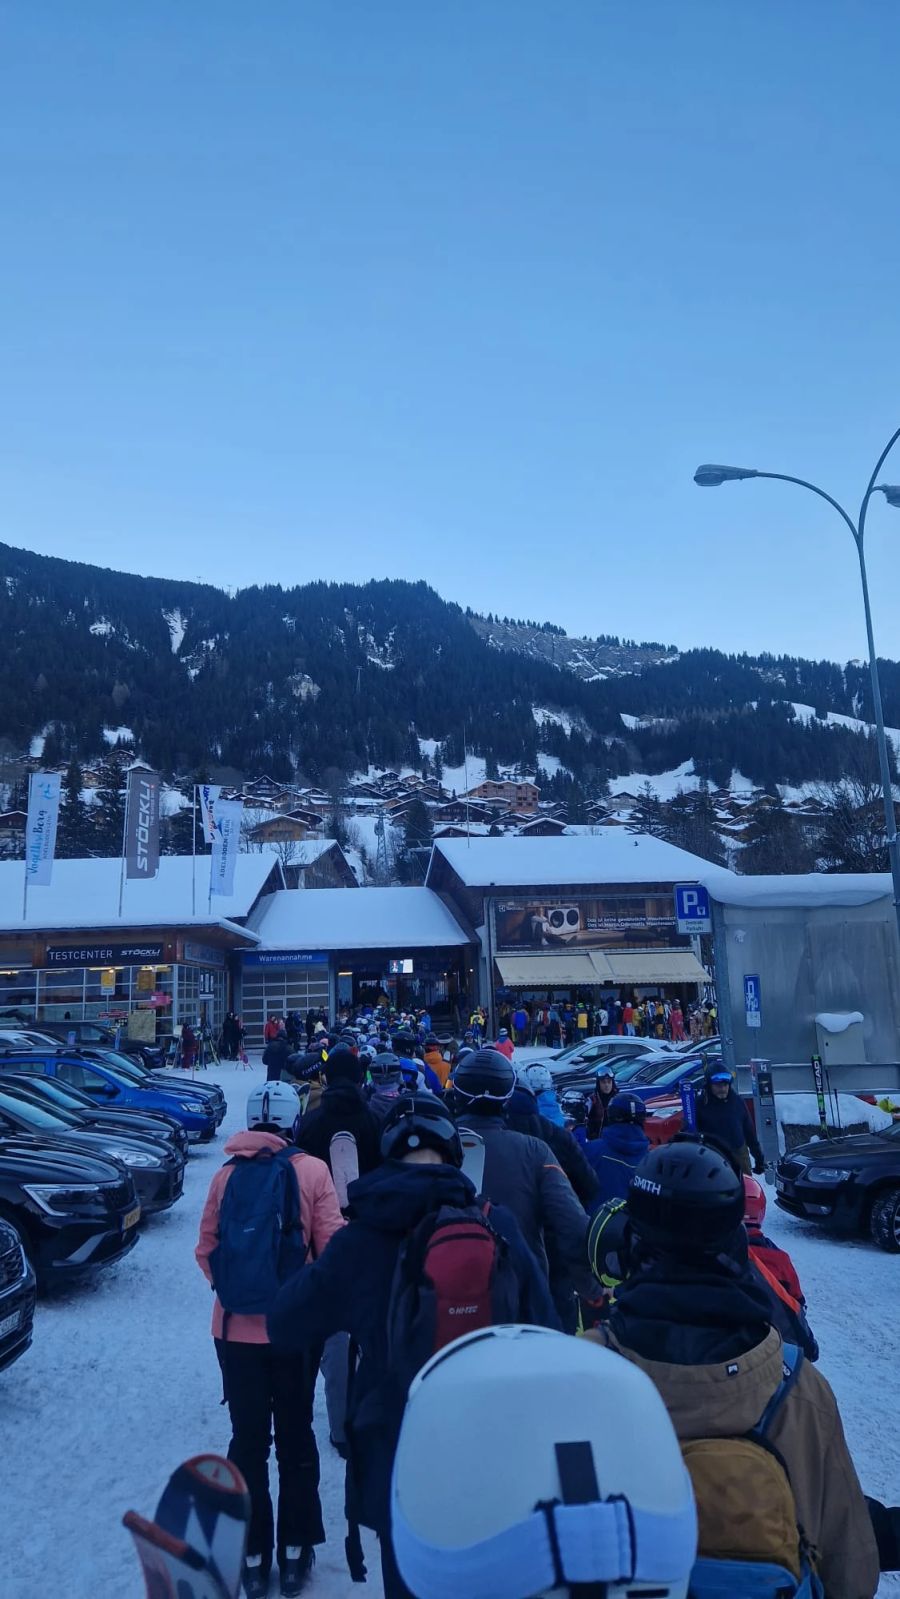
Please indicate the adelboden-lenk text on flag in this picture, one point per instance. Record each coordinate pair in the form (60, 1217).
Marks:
(225, 846)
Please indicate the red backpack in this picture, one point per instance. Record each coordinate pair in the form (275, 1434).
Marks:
(453, 1276)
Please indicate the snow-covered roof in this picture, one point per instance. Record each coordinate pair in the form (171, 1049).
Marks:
(85, 893)
(608, 855)
(801, 889)
(369, 918)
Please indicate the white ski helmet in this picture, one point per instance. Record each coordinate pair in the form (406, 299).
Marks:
(588, 1486)
(275, 1105)
(539, 1078)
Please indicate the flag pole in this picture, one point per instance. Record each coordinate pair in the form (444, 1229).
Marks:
(124, 845)
(194, 850)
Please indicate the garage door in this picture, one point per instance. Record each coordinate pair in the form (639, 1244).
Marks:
(276, 990)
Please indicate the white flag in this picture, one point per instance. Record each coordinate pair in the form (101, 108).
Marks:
(225, 846)
(209, 798)
(44, 791)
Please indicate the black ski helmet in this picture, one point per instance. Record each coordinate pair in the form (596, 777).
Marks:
(686, 1198)
(484, 1077)
(343, 1066)
(385, 1067)
(606, 1242)
(625, 1107)
(420, 1121)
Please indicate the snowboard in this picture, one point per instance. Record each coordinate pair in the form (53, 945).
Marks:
(344, 1160)
(473, 1157)
(200, 1533)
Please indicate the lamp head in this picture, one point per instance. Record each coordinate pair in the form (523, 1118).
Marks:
(891, 492)
(712, 477)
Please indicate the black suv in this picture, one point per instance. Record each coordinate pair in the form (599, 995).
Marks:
(851, 1184)
(17, 1295)
(72, 1212)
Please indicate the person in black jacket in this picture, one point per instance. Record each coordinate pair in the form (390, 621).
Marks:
(522, 1173)
(604, 1093)
(342, 1109)
(523, 1116)
(349, 1288)
(275, 1057)
(723, 1117)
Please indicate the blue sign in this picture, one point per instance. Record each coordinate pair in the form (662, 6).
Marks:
(692, 912)
(283, 957)
(752, 1002)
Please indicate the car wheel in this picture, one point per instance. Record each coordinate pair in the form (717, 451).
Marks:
(884, 1223)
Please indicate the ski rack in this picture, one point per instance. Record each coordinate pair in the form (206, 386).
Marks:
(762, 1080)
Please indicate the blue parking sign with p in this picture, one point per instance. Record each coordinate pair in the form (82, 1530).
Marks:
(692, 912)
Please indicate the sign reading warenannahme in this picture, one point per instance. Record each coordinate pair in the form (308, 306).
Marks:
(283, 957)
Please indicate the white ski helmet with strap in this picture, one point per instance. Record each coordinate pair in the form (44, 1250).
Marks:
(274, 1105)
(539, 1078)
(567, 1472)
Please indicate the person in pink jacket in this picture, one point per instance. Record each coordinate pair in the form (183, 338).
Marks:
(264, 1389)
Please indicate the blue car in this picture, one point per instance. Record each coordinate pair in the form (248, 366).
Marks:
(662, 1077)
(107, 1086)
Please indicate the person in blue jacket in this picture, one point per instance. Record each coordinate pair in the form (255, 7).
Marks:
(540, 1080)
(621, 1146)
(348, 1289)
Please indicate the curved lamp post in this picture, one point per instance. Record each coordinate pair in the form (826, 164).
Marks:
(712, 477)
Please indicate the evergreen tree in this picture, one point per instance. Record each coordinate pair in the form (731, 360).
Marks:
(74, 836)
(774, 842)
(107, 814)
(648, 816)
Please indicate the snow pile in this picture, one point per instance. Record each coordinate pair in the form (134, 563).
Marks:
(177, 625)
(802, 1110)
(839, 1020)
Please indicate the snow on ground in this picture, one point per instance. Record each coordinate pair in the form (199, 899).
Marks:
(807, 713)
(116, 735)
(36, 747)
(665, 785)
(177, 625)
(101, 629)
(121, 1384)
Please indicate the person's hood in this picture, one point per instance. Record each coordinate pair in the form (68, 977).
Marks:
(623, 1138)
(342, 1095)
(397, 1195)
(721, 1400)
(252, 1143)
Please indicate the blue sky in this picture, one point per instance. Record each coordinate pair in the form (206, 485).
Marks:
(459, 291)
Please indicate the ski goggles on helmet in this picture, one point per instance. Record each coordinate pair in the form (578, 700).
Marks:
(414, 1125)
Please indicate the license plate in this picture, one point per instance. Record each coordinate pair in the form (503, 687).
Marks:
(781, 1185)
(10, 1323)
(131, 1218)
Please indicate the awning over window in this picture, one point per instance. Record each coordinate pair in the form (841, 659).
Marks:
(642, 967)
(553, 971)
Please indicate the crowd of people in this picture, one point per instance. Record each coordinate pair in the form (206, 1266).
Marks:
(390, 1195)
(558, 1023)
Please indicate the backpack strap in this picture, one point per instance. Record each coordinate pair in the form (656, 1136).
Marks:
(792, 1356)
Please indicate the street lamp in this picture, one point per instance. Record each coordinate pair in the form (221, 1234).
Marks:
(712, 477)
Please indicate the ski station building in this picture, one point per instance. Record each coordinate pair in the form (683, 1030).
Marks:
(801, 964)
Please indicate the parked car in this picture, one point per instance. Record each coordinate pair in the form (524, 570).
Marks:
(850, 1183)
(17, 1296)
(157, 1172)
(109, 1086)
(90, 1032)
(26, 1038)
(131, 1067)
(584, 1074)
(72, 1211)
(54, 1092)
(596, 1049)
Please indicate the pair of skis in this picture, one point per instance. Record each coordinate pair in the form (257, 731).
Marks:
(194, 1549)
(344, 1161)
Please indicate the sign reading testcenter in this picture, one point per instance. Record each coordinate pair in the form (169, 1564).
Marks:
(102, 954)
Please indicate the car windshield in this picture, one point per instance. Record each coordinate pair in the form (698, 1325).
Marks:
(49, 1118)
(122, 1064)
(654, 1070)
(58, 1093)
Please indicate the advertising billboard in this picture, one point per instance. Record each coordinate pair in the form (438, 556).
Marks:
(620, 921)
